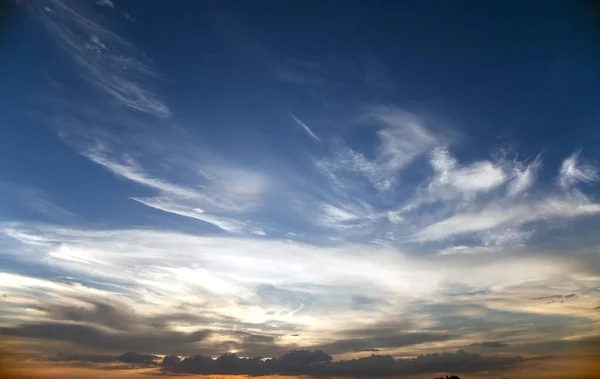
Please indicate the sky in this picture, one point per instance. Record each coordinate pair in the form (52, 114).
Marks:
(389, 178)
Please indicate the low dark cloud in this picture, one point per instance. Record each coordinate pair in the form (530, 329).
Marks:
(381, 336)
(319, 363)
(492, 344)
(555, 298)
(133, 357)
(559, 347)
(251, 344)
(94, 358)
(111, 313)
(100, 323)
(99, 338)
(380, 341)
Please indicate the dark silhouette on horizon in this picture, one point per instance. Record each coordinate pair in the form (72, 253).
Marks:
(312, 363)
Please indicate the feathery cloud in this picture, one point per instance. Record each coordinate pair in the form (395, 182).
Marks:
(305, 127)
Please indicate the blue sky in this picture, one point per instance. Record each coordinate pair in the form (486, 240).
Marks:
(318, 173)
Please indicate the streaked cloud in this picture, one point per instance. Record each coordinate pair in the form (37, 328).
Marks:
(572, 172)
(305, 127)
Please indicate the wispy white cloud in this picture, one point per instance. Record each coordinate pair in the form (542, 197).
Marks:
(523, 178)
(108, 62)
(305, 127)
(105, 3)
(480, 176)
(217, 195)
(572, 172)
(464, 250)
(131, 170)
(403, 138)
(497, 214)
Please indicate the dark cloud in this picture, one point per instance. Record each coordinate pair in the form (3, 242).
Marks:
(95, 311)
(297, 362)
(492, 344)
(113, 314)
(383, 341)
(103, 323)
(133, 357)
(557, 347)
(251, 344)
(93, 337)
(551, 299)
(319, 363)
(554, 297)
(380, 336)
(95, 358)
(366, 302)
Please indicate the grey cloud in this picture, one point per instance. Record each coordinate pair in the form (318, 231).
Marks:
(250, 344)
(95, 311)
(583, 345)
(492, 344)
(385, 365)
(383, 341)
(152, 341)
(319, 363)
(366, 302)
(103, 323)
(296, 362)
(95, 358)
(554, 297)
(133, 357)
(113, 314)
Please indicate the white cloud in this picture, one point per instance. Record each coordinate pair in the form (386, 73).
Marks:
(345, 162)
(403, 139)
(131, 170)
(225, 193)
(224, 277)
(105, 3)
(170, 205)
(305, 127)
(464, 250)
(480, 176)
(573, 172)
(108, 62)
(523, 177)
(497, 214)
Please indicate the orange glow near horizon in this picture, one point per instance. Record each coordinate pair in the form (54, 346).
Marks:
(580, 367)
